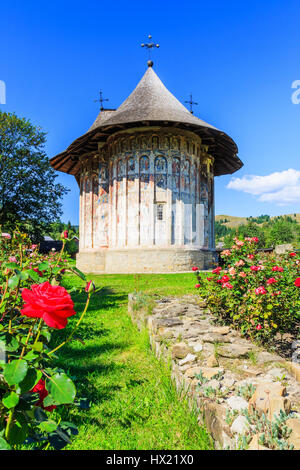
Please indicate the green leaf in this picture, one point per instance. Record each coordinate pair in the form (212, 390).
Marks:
(15, 371)
(31, 379)
(31, 356)
(48, 426)
(33, 275)
(10, 399)
(13, 281)
(79, 273)
(18, 431)
(61, 390)
(4, 445)
(43, 266)
(38, 346)
(11, 265)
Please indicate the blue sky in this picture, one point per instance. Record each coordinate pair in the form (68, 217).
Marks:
(238, 58)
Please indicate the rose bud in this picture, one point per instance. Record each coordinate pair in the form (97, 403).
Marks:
(90, 287)
(64, 234)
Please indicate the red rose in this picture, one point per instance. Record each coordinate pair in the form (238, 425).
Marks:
(277, 268)
(259, 327)
(260, 290)
(197, 286)
(272, 280)
(250, 256)
(51, 303)
(254, 239)
(225, 279)
(40, 388)
(227, 285)
(293, 254)
(195, 268)
(217, 270)
(254, 268)
(297, 282)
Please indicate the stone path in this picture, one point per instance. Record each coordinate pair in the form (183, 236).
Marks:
(238, 388)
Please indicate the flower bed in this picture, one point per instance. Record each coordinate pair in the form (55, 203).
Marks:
(258, 293)
(33, 392)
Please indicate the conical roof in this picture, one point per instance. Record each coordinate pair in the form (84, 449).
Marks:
(151, 103)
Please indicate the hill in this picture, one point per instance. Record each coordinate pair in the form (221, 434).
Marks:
(233, 222)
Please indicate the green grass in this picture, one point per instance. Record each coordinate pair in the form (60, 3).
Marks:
(134, 403)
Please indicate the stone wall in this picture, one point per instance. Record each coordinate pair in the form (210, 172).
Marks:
(143, 260)
(247, 397)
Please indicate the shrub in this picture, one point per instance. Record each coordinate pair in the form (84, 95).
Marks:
(33, 392)
(258, 293)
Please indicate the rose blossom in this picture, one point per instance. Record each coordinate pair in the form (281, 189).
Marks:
(272, 280)
(197, 286)
(260, 290)
(292, 254)
(40, 388)
(226, 253)
(232, 271)
(217, 270)
(225, 279)
(297, 282)
(239, 263)
(255, 268)
(250, 256)
(12, 259)
(277, 268)
(51, 303)
(195, 268)
(227, 285)
(259, 327)
(242, 274)
(6, 235)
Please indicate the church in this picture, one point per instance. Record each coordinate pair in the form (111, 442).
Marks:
(146, 176)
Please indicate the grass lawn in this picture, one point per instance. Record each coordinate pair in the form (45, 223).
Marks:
(134, 404)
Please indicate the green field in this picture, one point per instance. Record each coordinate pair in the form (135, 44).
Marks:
(133, 402)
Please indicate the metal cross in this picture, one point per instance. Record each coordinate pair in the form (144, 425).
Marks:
(191, 102)
(101, 100)
(150, 45)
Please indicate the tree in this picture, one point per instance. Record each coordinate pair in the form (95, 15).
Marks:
(280, 232)
(29, 195)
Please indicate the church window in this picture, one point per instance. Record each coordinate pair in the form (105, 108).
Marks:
(160, 212)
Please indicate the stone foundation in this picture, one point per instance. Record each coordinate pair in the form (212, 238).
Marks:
(144, 260)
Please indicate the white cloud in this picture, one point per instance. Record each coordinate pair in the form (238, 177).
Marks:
(281, 188)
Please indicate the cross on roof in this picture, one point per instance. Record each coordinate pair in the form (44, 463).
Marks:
(101, 100)
(191, 102)
(150, 45)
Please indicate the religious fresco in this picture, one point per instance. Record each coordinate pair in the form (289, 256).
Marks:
(124, 196)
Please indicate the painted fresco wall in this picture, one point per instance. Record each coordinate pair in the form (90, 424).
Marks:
(148, 189)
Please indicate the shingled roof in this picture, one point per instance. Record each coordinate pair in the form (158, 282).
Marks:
(150, 103)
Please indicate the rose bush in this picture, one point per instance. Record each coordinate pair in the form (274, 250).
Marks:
(258, 293)
(33, 305)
